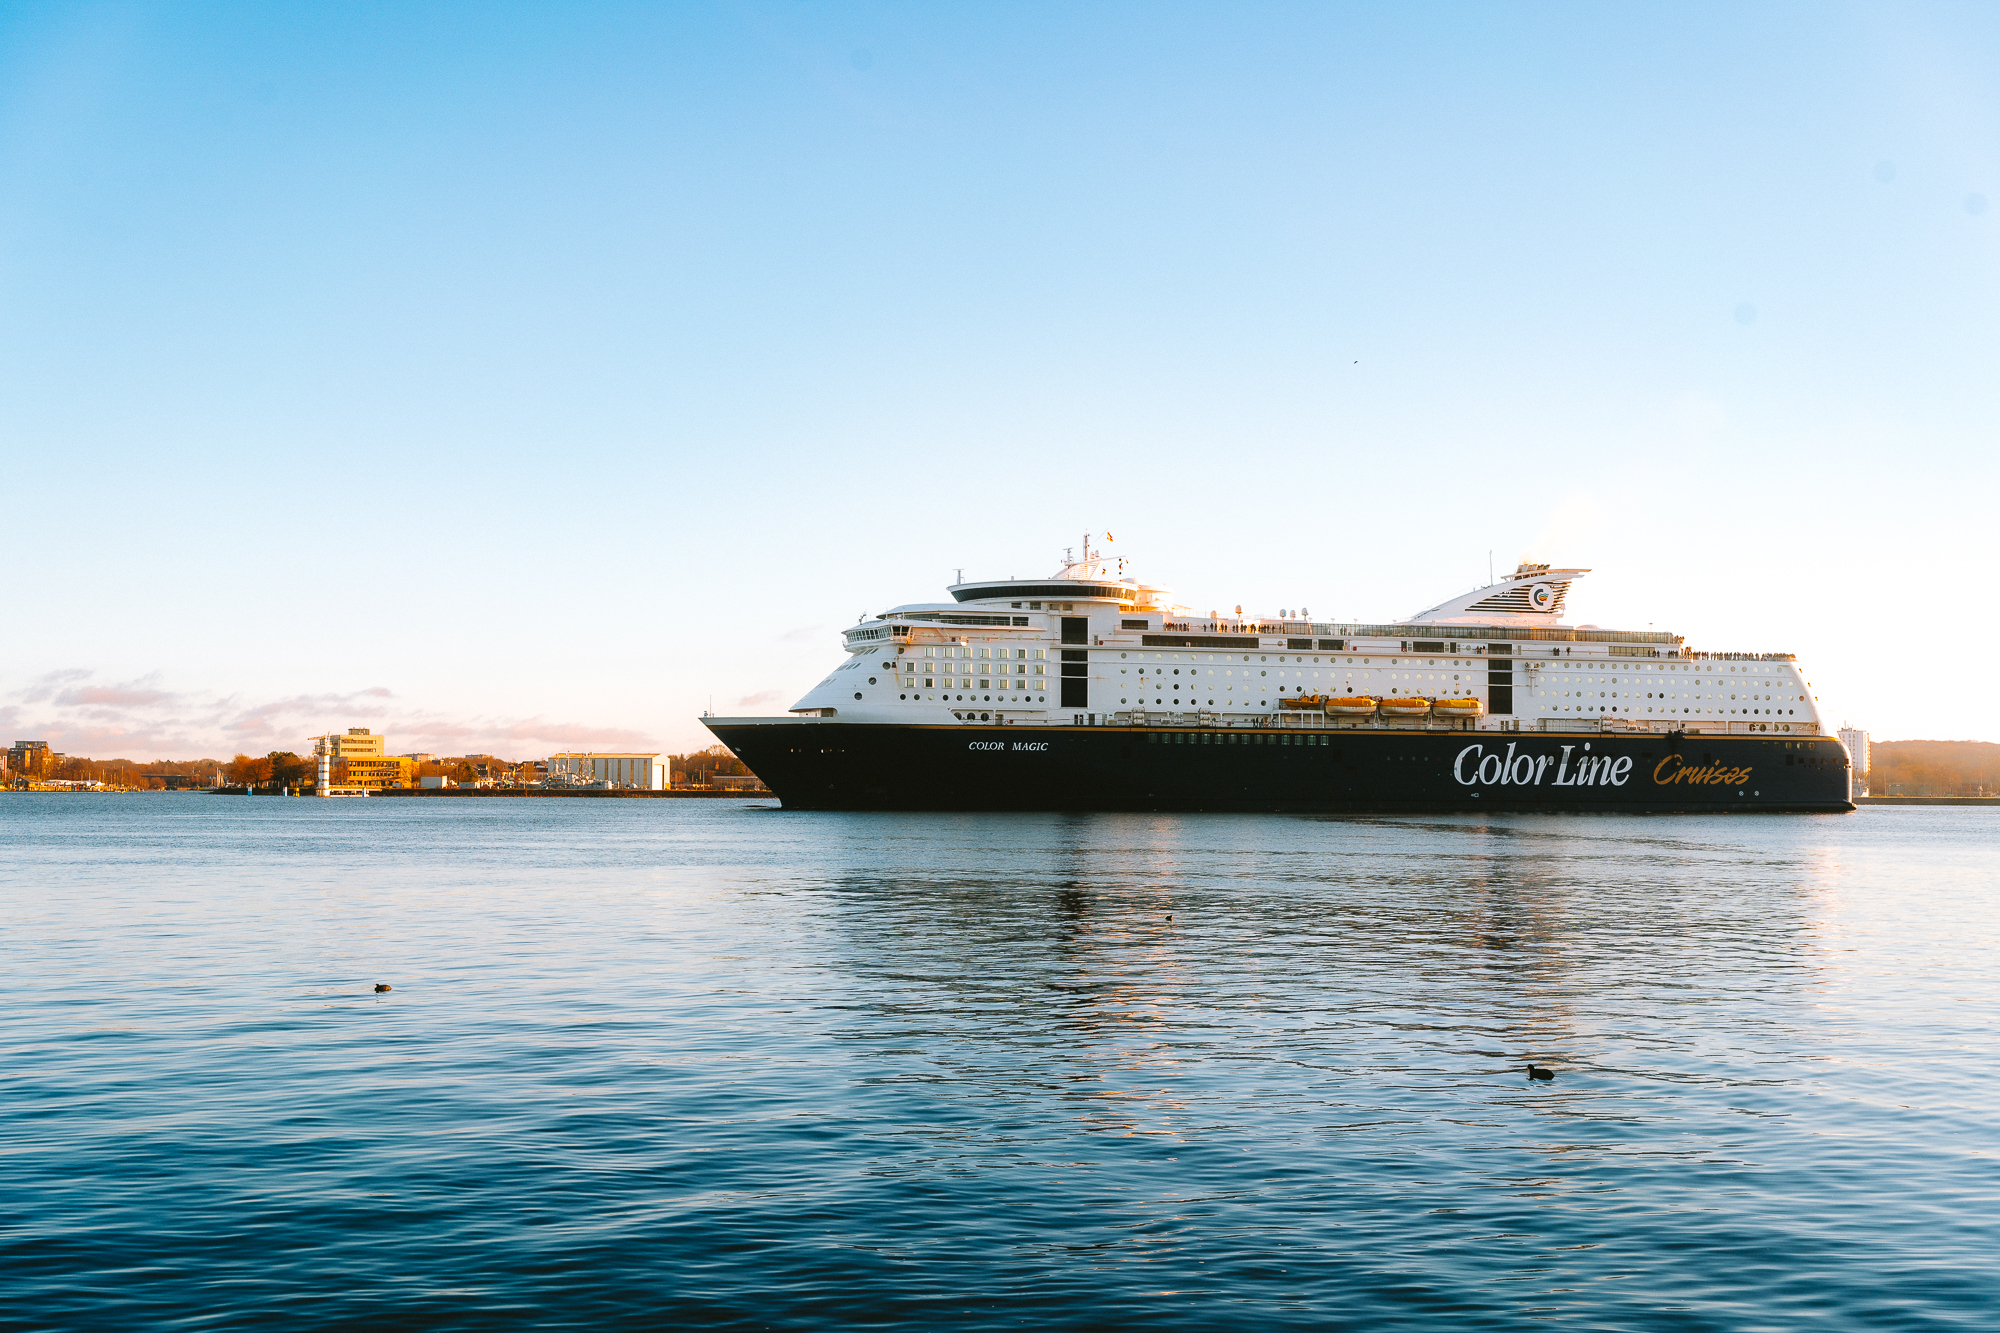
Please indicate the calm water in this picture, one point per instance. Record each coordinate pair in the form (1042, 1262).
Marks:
(681, 1061)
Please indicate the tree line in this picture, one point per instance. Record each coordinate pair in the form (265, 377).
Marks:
(121, 772)
(279, 768)
(1934, 768)
(702, 766)
(283, 768)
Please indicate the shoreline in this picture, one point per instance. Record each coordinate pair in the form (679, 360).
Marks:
(1927, 800)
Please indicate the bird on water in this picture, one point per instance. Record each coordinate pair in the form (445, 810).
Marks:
(1536, 1071)
(381, 986)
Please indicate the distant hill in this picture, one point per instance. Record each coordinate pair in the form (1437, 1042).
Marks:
(1934, 768)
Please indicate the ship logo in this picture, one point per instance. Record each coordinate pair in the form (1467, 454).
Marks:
(1474, 767)
(1541, 596)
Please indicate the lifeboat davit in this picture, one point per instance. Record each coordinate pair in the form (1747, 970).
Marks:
(1454, 708)
(1406, 707)
(1351, 705)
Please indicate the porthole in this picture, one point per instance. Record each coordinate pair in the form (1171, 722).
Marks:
(871, 680)
(857, 694)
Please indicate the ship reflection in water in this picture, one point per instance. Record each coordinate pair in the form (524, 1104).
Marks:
(1362, 973)
(655, 1064)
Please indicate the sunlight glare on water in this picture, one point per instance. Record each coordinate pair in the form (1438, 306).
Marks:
(710, 1061)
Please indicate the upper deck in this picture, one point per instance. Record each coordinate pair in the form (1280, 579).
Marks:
(1091, 645)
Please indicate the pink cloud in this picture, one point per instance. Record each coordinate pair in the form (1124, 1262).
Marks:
(112, 696)
(136, 721)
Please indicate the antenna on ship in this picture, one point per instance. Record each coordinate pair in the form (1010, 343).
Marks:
(1489, 569)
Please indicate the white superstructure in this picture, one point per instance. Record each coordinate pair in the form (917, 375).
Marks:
(1090, 646)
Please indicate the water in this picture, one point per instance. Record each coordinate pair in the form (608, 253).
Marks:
(649, 1063)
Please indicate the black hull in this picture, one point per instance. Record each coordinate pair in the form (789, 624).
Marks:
(862, 766)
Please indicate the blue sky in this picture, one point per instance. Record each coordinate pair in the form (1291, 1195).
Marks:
(513, 378)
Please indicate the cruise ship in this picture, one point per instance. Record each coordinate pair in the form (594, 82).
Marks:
(1089, 690)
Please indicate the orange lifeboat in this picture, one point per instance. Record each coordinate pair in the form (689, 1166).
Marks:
(1450, 709)
(1351, 705)
(1406, 707)
(1305, 702)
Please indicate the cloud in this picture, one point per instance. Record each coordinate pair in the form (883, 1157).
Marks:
(759, 699)
(45, 687)
(140, 720)
(112, 697)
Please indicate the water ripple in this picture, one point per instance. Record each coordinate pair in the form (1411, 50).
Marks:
(717, 1063)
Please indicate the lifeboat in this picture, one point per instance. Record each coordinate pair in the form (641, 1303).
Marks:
(1448, 709)
(1351, 705)
(1304, 702)
(1406, 707)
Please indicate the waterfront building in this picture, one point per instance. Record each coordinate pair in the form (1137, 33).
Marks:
(376, 773)
(647, 772)
(356, 762)
(356, 743)
(1856, 742)
(31, 759)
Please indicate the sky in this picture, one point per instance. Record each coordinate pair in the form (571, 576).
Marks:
(518, 378)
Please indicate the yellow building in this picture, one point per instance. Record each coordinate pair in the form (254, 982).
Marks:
(358, 761)
(377, 773)
(358, 743)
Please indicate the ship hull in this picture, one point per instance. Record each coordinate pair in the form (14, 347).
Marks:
(814, 764)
